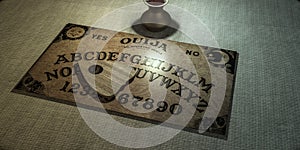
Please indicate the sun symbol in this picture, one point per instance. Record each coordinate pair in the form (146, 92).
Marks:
(75, 32)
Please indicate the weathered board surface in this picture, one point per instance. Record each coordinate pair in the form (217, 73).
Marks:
(136, 77)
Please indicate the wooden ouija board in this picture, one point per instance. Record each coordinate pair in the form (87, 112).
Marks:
(136, 77)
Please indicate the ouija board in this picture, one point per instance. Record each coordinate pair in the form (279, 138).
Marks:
(133, 76)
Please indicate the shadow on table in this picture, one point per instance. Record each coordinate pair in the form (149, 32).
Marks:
(141, 30)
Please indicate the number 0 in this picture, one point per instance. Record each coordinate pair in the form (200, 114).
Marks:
(175, 109)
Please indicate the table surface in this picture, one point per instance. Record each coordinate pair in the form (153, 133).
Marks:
(265, 112)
